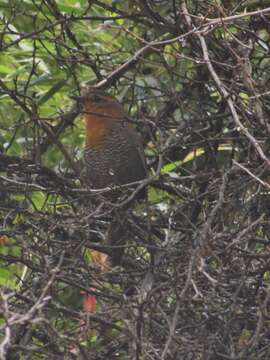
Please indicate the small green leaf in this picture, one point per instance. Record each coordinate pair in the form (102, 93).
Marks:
(5, 69)
(38, 198)
(7, 278)
(168, 168)
(49, 94)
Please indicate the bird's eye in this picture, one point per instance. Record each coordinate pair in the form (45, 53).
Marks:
(96, 98)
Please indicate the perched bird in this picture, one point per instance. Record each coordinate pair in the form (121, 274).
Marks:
(113, 156)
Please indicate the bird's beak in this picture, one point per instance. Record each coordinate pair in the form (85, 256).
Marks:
(77, 98)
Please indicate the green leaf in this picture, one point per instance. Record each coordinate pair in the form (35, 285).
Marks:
(157, 196)
(7, 278)
(5, 69)
(38, 198)
(49, 94)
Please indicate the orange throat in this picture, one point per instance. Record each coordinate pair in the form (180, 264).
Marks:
(98, 121)
(96, 128)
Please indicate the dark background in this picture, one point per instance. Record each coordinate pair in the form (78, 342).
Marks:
(194, 78)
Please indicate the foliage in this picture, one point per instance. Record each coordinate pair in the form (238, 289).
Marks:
(194, 78)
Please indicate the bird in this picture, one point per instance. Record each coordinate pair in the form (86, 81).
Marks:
(113, 156)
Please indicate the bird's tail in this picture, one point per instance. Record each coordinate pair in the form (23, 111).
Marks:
(117, 236)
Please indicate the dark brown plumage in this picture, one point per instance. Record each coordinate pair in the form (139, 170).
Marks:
(113, 155)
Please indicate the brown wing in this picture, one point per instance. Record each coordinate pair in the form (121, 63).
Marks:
(136, 138)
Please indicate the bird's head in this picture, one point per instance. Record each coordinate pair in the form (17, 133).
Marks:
(96, 101)
(101, 111)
